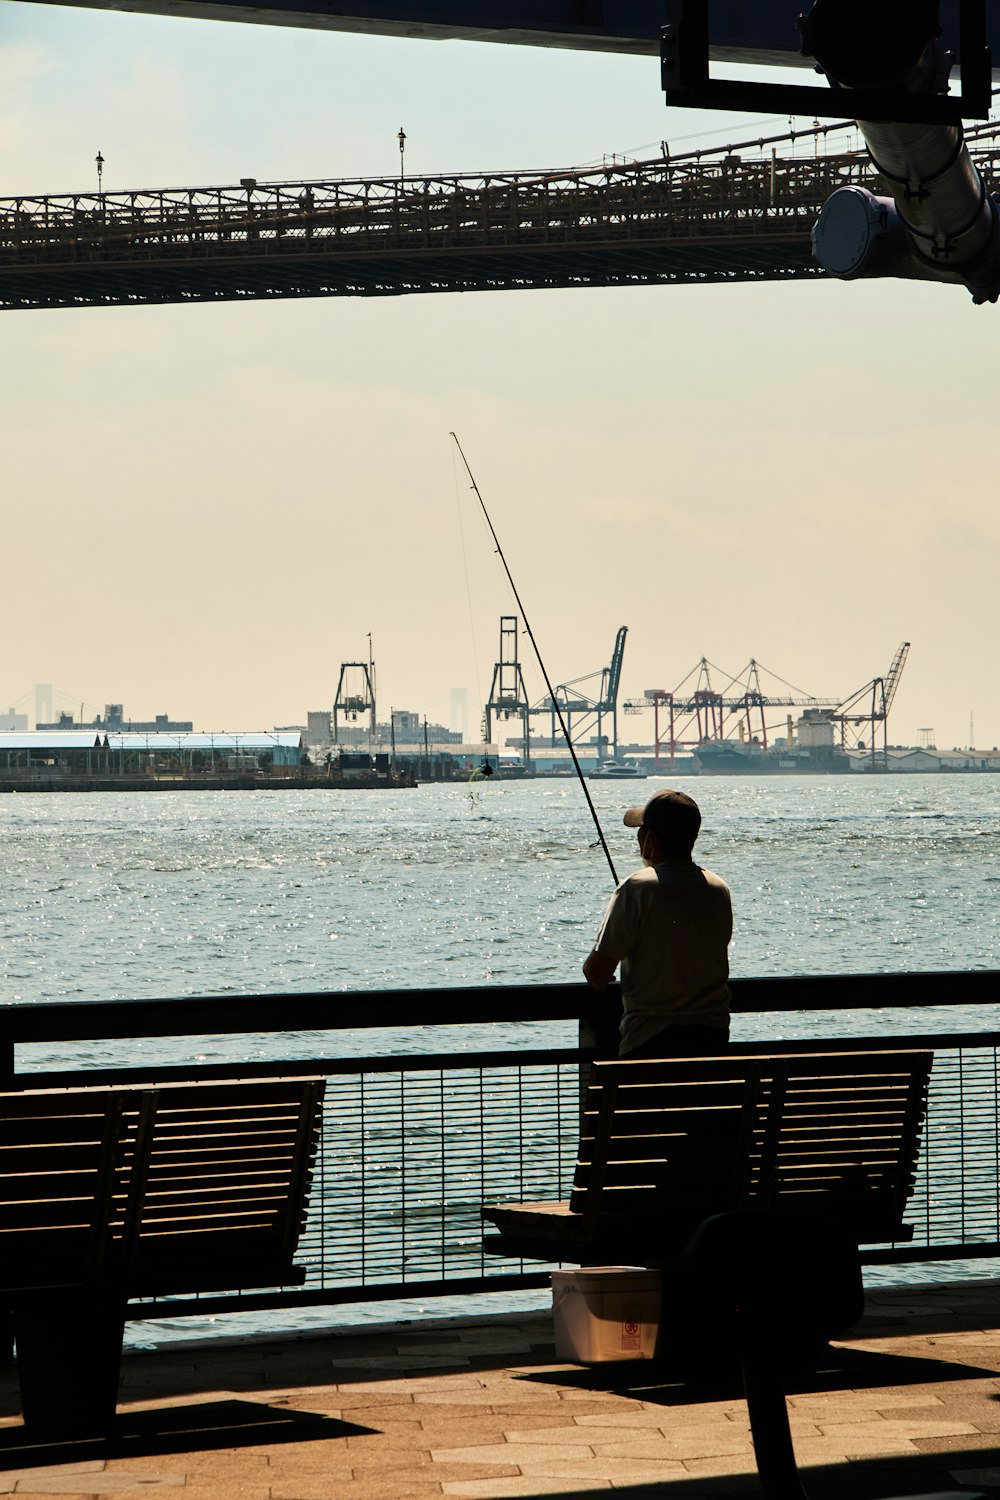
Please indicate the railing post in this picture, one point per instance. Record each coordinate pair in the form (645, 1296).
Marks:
(598, 1032)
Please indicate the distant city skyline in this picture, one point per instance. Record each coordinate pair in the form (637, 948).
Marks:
(210, 507)
(632, 728)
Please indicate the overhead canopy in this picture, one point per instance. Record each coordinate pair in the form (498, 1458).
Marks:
(761, 32)
(253, 742)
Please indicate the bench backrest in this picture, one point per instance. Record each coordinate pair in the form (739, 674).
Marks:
(835, 1131)
(58, 1153)
(190, 1185)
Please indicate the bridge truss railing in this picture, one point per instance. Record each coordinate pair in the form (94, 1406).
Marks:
(677, 198)
(419, 1134)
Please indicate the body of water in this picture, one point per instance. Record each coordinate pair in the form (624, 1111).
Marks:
(192, 893)
(208, 893)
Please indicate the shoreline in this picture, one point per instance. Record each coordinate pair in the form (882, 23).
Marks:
(219, 783)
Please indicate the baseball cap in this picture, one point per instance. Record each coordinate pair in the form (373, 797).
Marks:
(672, 816)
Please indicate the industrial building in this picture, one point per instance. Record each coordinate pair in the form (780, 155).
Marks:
(114, 718)
(81, 751)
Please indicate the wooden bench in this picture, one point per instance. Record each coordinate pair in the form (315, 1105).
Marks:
(112, 1193)
(666, 1144)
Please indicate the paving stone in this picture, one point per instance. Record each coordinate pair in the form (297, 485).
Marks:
(820, 1402)
(641, 1444)
(982, 1444)
(251, 1466)
(567, 1432)
(338, 1461)
(112, 1482)
(667, 1452)
(61, 1493)
(455, 1383)
(441, 1427)
(390, 1435)
(521, 1455)
(372, 1487)
(721, 1465)
(829, 1451)
(604, 1409)
(443, 1472)
(378, 1416)
(983, 1414)
(572, 1393)
(58, 1471)
(348, 1398)
(901, 1429)
(619, 1471)
(656, 1417)
(497, 1399)
(497, 1489)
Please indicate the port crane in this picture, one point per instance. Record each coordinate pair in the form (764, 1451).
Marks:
(509, 697)
(876, 696)
(355, 697)
(592, 711)
(699, 713)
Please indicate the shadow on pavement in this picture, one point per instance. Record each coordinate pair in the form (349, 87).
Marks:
(179, 1429)
(839, 1369)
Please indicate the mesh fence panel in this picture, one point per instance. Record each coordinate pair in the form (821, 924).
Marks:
(411, 1151)
(408, 1159)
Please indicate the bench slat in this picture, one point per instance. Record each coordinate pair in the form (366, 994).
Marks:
(105, 1168)
(662, 1140)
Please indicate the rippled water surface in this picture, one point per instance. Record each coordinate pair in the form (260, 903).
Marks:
(170, 894)
(166, 893)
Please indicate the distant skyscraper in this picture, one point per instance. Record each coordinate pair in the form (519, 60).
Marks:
(11, 720)
(43, 702)
(460, 712)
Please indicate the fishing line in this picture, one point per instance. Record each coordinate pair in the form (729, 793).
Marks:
(538, 655)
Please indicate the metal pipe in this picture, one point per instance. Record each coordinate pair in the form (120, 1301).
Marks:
(938, 222)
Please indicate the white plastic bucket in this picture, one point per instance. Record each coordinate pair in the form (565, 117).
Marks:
(604, 1313)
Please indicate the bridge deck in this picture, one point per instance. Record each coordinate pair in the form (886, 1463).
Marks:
(744, 215)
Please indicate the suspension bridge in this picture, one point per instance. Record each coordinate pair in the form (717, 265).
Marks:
(709, 217)
(742, 213)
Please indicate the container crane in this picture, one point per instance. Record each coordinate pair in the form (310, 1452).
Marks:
(591, 709)
(509, 698)
(508, 695)
(702, 713)
(878, 696)
(355, 696)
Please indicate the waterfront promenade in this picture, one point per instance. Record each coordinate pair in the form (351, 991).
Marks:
(479, 1408)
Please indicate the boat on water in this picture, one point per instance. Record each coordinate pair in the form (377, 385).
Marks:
(734, 758)
(617, 770)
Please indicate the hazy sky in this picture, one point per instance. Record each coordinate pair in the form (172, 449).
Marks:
(209, 508)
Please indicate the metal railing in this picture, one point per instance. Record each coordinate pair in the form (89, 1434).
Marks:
(634, 201)
(413, 1145)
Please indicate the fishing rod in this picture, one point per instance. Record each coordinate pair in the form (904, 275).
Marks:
(538, 655)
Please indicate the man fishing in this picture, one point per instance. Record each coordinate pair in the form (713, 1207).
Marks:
(669, 927)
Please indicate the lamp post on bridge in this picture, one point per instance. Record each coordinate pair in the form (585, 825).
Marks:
(99, 162)
(402, 149)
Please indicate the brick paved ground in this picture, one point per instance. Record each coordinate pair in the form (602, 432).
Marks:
(480, 1409)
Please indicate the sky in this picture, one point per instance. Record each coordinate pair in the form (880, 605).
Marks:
(210, 508)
